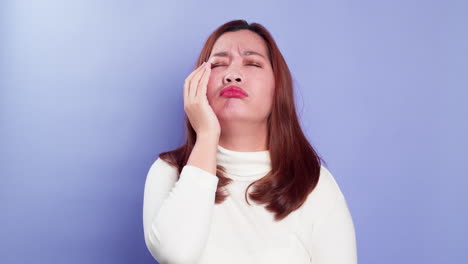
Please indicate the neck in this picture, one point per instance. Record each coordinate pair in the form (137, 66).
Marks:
(244, 166)
(244, 137)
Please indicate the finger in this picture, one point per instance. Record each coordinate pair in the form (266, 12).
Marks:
(188, 79)
(206, 77)
(194, 82)
(200, 67)
(202, 87)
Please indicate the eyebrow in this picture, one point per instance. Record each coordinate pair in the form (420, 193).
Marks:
(245, 53)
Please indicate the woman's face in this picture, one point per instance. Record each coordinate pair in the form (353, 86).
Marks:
(239, 65)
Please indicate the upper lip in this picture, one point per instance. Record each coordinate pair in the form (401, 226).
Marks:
(233, 88)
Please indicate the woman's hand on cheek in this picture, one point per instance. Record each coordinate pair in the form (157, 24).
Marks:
(196, 105)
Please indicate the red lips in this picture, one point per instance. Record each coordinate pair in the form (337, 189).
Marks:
(233, 91)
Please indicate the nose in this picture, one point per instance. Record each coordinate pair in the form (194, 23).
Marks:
(232, 76)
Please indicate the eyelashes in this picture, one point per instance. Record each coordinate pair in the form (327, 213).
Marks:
(250, 64)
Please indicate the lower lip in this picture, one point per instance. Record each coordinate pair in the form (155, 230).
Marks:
(234, 94)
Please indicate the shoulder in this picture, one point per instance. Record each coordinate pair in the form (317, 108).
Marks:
(322, 198)
(162, 173)
(327, 187)
(160, 164)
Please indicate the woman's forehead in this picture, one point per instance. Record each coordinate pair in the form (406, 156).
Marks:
(244, 42)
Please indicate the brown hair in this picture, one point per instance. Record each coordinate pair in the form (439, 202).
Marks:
(295, 164)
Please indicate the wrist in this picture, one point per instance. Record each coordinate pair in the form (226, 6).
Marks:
(208, 137)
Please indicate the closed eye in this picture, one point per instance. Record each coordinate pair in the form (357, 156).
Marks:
(251, 64)
(254, 64)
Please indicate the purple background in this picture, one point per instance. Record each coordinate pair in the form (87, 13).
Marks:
(91, 92)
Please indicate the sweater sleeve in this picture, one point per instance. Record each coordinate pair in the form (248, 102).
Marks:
(333, 239)
(177, 213)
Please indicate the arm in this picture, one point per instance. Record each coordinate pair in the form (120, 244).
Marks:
(203, 154)
(177, 214)
(333, 239)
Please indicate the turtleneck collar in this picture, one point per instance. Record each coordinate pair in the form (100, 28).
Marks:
(244, 166)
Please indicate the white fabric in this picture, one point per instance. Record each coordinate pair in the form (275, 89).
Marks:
(182, 224)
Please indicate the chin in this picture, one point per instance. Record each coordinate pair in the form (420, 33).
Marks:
(232, 115)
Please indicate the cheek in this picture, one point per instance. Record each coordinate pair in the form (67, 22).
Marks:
(266, 85)
(266, 91)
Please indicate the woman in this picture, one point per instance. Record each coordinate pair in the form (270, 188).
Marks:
(242, 132)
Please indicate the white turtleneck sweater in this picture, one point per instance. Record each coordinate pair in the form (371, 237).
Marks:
(182, 223)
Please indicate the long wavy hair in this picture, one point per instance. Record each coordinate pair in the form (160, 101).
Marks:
(295, 164)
